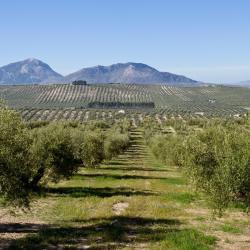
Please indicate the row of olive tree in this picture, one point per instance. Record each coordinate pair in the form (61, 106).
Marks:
(30, 156)
(216, 158)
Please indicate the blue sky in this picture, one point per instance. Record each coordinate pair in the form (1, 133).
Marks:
(207, 40)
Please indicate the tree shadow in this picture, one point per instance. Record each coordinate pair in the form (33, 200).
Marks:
(78, 192)
(20, 227)
(146, 169)
(8, 229)
(134, 157)
(114, 232)
(120, 177)
(117, 163)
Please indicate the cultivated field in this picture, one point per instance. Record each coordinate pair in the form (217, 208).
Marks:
(131, 202)
(176, 184)
(56, 102)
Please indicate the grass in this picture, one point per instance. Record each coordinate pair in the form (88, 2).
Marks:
(200, 218)
(184, 198)
(79, 213)
(174, 181)
(230, 229)
(189, 239)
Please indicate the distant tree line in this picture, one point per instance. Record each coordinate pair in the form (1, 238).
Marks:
(121, 105)
(79, 82)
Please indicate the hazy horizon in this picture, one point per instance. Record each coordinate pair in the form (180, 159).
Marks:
(206, 41)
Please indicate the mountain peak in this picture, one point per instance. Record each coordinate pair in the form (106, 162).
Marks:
(32, 60)
(136, 64)
(129, 72)
(28, 71)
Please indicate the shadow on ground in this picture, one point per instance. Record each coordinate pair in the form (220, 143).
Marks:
(78, 192)
(146, 169)
(99, 233)
(18, 229)
(120, 177)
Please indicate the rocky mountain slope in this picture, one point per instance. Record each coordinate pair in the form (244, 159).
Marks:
(28, 71)
(127, 73)
(31, 71)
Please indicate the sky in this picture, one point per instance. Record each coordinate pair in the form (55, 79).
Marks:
(207, 40)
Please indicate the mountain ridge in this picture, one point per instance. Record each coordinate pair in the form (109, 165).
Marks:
(34, 71)
(127, 73)
(244, 83)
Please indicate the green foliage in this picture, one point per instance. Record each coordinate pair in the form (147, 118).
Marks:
(218, 159)
(115, 143)
(92, 149)
(230, 229)
(35, 153)
(150, 129)
(215, 155)
(15, 170)
(122, 126)
(184, 198)
(79, 82)
(93, 125)
(29, 158)
(188, 239)
(36, 124)
(52, 151)
(168, 148)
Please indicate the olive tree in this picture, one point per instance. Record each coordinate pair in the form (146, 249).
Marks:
(115, 143)
(93, 149)
(15, 171)
(29, 158)
(52, 153)
(218, 160)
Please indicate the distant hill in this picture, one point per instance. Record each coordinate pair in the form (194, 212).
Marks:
(32, 71)
(28, 71)
(127, 73)
(244, 83)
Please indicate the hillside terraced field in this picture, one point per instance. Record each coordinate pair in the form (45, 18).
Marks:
(83, 102)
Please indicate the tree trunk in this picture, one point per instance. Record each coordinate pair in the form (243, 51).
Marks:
(39, 175)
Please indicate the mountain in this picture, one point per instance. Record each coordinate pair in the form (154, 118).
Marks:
(27, 72)
(127, 73)
(244, 83)
(32, 71)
